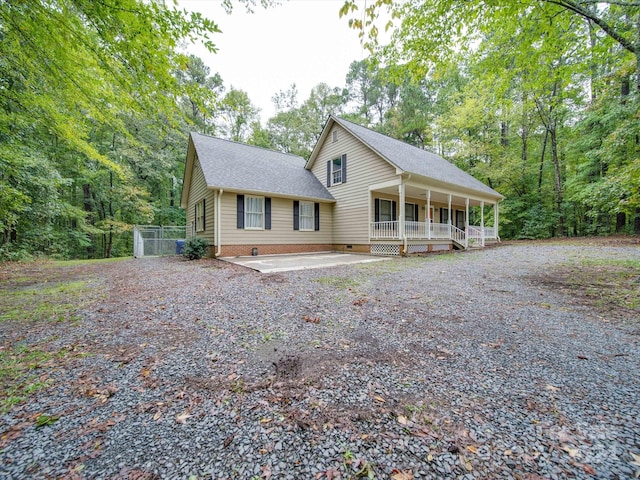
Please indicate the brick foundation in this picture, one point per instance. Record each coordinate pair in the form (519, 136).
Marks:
(344, 248)
(246, 250)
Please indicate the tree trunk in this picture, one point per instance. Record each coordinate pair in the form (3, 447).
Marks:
(88, 208)
(621, 221)
(558, 179)
(540, 170)
(636, 222)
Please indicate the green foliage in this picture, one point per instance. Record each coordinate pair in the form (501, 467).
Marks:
(91, 126)
(535, 99)
(195, 248)
(18, 374)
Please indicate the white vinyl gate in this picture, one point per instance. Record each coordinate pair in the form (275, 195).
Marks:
(155, 240)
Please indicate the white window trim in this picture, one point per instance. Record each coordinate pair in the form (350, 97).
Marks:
(312, 216)
(335, 170)
(199, 214)
(246, 212)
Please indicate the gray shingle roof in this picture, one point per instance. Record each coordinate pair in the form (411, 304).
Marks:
(236, 166)
(415, 160)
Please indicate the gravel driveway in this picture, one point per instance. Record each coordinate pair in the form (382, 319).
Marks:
(471, 365)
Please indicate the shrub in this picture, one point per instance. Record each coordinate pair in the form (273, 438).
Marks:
(195, 248)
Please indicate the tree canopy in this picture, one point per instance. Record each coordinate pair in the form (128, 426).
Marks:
(538, 99)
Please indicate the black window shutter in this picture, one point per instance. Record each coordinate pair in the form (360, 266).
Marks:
(316, 216)
(376, 210)
(204, 214)
(344, 168)
(240, 211)
(267, 213)
(328, 173)
(296, 215)
(393, 211)
(415, 212)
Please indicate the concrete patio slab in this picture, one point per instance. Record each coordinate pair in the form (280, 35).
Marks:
(286, 263)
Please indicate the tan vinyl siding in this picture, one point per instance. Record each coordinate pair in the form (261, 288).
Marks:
(281, 232)
(198, 191)
(364, 168)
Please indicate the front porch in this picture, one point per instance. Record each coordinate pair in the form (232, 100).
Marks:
(473, 235)
(410, 217)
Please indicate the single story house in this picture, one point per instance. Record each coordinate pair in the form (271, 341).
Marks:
(359, 191)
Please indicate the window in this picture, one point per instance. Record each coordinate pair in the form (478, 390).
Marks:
(199, 215)
(410, 212)
(337, 171)
(254, 212)
(386, 212)
(444, 215)
(334, 136)
(306, 216)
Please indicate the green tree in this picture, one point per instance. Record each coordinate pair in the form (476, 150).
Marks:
(236, 115)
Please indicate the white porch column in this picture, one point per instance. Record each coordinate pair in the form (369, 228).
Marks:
(427, 217)
(369, 227)
(450, 222)
(401, 213)
(495, 220)
(482, 221)
(466, 222)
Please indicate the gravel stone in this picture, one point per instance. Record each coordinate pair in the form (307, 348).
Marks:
(465, 365)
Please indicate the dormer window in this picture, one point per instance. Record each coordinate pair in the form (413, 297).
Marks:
(337, 170)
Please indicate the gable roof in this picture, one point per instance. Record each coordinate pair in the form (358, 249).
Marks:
(246, 168)
(407, 158)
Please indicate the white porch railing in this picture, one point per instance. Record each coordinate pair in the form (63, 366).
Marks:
(431, 231)
(440, 231)
(459, 236)
(383, 230)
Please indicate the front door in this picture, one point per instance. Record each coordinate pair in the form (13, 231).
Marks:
(460, 223)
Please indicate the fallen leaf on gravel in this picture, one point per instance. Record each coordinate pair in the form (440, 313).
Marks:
(636, 462)
(588, 469)
(402, 420)
(157, 416)
(551, 388)
(508, 452)
(378, 398)
(472, 449)
(182, 417)
(266, 471)
(466, 464)
(429, 458)
(571, 451)
(582, 357)
(330, 474)
(398, 475)
(265, 420)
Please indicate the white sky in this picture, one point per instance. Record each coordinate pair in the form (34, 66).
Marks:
(300, 41)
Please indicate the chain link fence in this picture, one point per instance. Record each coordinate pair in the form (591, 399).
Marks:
(155, 240)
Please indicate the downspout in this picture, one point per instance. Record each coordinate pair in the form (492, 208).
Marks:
(218, 236)
(404, 218)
